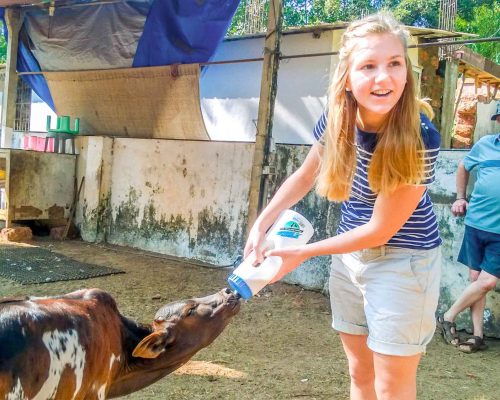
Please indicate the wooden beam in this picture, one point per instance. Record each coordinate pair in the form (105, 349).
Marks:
(268, 89)
(495, 90)
(459, 97)
(447, 110)
(13, 22)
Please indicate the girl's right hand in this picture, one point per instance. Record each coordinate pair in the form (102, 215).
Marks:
(255, 243)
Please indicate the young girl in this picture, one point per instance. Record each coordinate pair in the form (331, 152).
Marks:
(375, 152)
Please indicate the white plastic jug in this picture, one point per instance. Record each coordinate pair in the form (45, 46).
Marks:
(290, 229)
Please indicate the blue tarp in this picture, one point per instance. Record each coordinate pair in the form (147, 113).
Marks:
(173, 31)
(27, 63)
(183, 31)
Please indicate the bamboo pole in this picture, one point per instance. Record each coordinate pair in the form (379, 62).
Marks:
(13, 22)
(268, 89)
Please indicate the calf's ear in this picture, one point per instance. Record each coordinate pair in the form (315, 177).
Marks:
(154, 344)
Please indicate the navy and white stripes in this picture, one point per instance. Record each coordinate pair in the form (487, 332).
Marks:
(421, 229)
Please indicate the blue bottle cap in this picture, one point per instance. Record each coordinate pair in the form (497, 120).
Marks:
(239, 286)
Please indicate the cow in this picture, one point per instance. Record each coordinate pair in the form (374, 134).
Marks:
(79, 346)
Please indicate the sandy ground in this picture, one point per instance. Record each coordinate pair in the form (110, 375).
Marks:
(280, 346)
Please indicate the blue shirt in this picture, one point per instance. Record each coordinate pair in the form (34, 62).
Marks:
(421, 230)
(484, 206)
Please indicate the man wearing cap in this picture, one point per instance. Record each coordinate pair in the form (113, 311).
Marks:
(480, 249)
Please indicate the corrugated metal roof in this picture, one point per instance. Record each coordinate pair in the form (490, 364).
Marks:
(425, 33)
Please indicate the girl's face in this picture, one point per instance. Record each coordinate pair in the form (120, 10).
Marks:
(377, 77)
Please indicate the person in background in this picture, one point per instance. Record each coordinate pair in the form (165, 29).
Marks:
(480, 249)
(375, 152)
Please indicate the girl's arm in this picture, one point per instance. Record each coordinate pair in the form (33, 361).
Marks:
(389, 214)
(295, 187)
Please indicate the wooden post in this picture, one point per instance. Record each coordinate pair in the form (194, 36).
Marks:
(447, 110)
(268, 89)
(13, 22)
(459, 97)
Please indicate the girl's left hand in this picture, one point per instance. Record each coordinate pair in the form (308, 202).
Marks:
(292, 257)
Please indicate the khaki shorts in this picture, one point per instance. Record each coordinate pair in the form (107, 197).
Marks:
(388, 293)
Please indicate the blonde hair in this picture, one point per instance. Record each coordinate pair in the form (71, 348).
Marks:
(398, 156)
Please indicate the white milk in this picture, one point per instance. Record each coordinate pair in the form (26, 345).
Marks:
(290, 229)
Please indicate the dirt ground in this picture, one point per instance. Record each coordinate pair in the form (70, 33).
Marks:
(280, 345)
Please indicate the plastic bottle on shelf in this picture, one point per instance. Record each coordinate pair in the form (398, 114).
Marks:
(290, 229)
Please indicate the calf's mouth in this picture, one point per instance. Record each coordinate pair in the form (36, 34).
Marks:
(230, 301)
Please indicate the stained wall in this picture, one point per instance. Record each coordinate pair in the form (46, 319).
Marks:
(182, 198)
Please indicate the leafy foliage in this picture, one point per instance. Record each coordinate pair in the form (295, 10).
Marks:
(485, 22)
(474, 16)
(466, 8)
(415, 12)
(3, 46)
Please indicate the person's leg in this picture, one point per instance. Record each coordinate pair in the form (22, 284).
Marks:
(452, 313)
(487, 281)
(396, 376)
(471, 254)
(477, 314)
(349, 320)
(476, 291)
(361, 369)
(477, 309)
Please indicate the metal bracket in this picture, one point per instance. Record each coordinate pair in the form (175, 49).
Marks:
(269, 170)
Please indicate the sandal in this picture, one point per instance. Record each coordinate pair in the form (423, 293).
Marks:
(448, 331)
(473, 344)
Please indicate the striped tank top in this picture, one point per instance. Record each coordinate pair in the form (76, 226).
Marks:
(421, 230)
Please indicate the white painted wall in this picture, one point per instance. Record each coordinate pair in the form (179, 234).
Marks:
(230, 93)
(484, 124)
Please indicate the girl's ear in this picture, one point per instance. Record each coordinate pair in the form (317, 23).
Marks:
(348, 85)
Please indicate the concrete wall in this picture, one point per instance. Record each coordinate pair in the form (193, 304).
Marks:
(183, 198)
(38, 185)
(484, 124)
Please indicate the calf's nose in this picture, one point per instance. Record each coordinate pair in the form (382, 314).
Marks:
(230, 294)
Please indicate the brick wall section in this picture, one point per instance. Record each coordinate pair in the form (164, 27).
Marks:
(465, 123)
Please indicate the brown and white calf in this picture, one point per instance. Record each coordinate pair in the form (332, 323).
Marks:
(79, 346)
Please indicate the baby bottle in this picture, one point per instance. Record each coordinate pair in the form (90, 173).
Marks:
(290, 229)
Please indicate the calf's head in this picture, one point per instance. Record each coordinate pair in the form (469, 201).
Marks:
(184, 327)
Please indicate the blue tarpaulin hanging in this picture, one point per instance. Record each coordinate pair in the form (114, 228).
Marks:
(117, 35)
(27, 63)
(183, 31)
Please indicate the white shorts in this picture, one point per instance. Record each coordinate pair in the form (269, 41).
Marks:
(388, 293)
